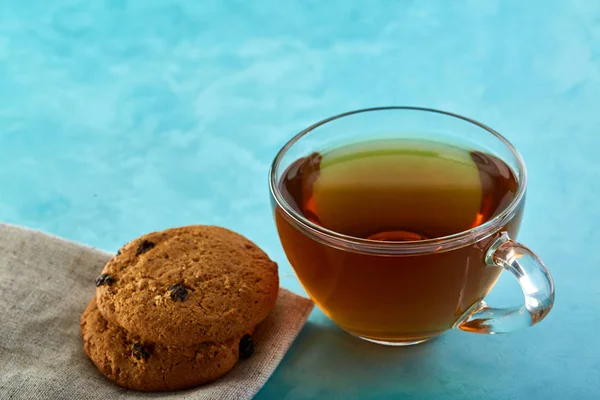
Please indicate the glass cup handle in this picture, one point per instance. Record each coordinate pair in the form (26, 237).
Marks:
(535, 281)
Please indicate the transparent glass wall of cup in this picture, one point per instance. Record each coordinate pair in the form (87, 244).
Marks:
(401, 293)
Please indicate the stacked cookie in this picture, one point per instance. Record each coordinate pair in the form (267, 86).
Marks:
(177, 308)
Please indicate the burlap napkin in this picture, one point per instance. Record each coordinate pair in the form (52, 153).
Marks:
(45, 284)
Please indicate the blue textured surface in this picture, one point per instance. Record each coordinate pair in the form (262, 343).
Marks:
(120, 117)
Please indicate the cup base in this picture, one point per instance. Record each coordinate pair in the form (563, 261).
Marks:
(395, 340)
(395, 344)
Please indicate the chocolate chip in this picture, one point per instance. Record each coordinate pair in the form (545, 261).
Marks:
(246, 347)
(144, 247)
(104, 279)
(118, 252)
(140, 352)
(178, 292)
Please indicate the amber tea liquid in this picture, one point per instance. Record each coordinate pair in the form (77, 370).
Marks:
(395, 190)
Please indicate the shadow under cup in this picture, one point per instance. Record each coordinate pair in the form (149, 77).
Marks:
(401, 293)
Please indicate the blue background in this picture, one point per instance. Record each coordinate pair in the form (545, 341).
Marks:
(121, 117)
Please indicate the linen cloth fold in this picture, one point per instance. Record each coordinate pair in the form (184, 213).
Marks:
(46, 283)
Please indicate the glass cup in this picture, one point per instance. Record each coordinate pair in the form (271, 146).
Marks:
(406, 292)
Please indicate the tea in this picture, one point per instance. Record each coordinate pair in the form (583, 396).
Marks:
(395, 190)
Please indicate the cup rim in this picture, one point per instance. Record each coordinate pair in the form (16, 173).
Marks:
(360, 245)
